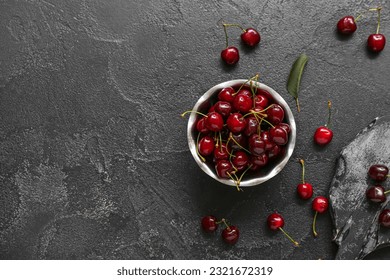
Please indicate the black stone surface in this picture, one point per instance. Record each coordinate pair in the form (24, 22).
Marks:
(94, 162)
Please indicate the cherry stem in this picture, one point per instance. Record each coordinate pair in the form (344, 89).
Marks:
(303, 170)
(197, 148)
(243, 173)
(298, 107)
(289, 237)
(256, 77)
(314, 224)
(386, 192)
(358, 17)
(226, 36)
(379, 20)
(190, 111)
(235, 180)
(329, 114)
(220, 141)
(234, 25)
(238, 144)
(226, 224)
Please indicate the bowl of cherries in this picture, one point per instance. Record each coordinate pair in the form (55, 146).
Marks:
(241, 132)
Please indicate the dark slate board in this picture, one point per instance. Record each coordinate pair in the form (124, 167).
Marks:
(356, 228)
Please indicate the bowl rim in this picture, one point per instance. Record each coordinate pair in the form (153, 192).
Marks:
(245, 182)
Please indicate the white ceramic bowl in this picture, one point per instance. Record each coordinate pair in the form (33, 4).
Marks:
(253, 178)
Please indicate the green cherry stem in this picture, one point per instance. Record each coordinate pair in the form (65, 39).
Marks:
(226, 224)
(329, 114)
(314, 224)
(197, 148)
(289, 237)
(190, 111)
(234, 25)
(303, 170)
(379, 20)
(358, 17)
(226, 35)
(238, 144)
(386, 192)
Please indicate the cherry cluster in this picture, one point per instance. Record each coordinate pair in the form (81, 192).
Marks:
(375, 42)
(229, 234)
(250, 37)
(379, 173)
(244, 131)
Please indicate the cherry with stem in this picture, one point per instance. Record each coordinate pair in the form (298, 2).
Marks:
(323, 134)
(304, 189)
(275, 222)
(376, 42)
(320, 205)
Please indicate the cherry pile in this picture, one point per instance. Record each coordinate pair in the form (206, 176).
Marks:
(375, 42)
(250, 37)
(244, 131)
(229, 234)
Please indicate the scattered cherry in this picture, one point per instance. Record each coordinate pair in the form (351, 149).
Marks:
(230, 234)
(230, 55)
(347, 25)
(304, 189)
(323, 134)
(275, 222)
(384, 218)
(376, 42)
(376, 194)
(320, 204)
(250, 37)
(378, 172)
(209, 223)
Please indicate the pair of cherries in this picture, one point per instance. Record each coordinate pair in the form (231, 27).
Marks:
(230, 234)
(250, 37)
(379, 173)
(375, 42)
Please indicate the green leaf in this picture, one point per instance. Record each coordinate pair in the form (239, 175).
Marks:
(294, 80)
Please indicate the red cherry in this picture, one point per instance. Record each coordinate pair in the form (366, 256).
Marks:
(274, 152)
(214, 121)
(265, 94)
(256, 145)
(226, 94)
(376, 194)
(259, 161)
(275, 222)
(240, 159)
(384, 218)
(230, 55)
(347, 25)
(221, 152)
(230, 235)
(378, 172)
(242, 103)
(223, 167)
(250, 37)
(206, 145)
(201, 126)
(278, 135)
(209, 223)
(320, 205)
(267, 140)
(275, 114)
(236, 123)
(323, 136)
(304, 190)
(251, 126)
(261, 101)
(285, 126)
(245, 91)
(376, 42)
(224, 108)
(240, 139)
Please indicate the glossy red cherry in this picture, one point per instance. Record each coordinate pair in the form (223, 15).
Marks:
(261, 101)
(250, 37)
(378, 172)
(384, 218)
(223, 168)
(267, 140)
(252, 126)
(376, 194)
(209, 223)
(236, 123)
(320, 205)
(286, 127)
(224, 108)
(304, 189)
(275, 222)
(240, 159)
(259, 161)
(275, 114)
(230, 234)
(221, 152)
(323, 136)
(238, 141)
(274, 152)
(256, 145)
(347, 25)
(266, 94)
(226, 94)
(214, 121)
(278, 135)
(376, 42)
(201, 126)
(245, 91)
(242, 103)
(230, 55)
(206, 145)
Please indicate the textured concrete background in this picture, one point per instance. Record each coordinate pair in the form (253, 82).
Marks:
(93, 152)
